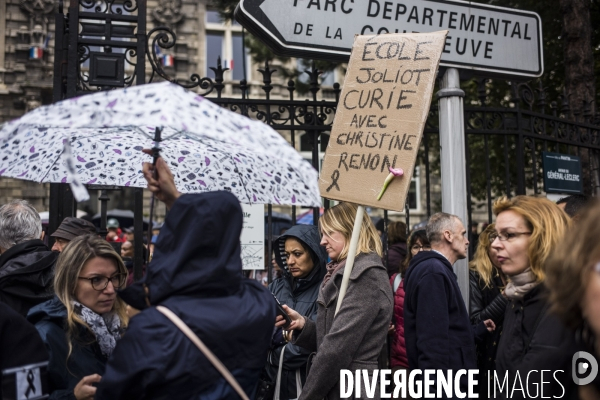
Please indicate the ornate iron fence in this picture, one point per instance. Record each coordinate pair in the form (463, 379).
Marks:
(504, 144)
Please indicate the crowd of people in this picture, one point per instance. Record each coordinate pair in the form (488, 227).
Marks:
(195, 327)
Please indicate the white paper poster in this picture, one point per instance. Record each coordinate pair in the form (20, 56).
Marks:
(253, 236)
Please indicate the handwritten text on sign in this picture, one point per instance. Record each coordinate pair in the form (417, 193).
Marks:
(380, 117)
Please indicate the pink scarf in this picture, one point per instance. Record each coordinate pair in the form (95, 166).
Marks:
(332, 268)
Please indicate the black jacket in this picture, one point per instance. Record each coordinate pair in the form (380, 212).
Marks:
(196, 272)
(300, 295)
(535, 340)
(85, 359)
(26, 275)
(437, 328)
(20, 342)
(486, 303)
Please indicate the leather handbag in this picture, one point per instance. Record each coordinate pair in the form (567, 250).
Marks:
(205, 350)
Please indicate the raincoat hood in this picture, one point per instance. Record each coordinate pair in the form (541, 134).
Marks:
(51, 310)
(309, 235)
(197, 252)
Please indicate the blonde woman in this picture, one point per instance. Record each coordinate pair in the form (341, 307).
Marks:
(486, 282)
(533, 340)
(81, 325)
(353, 340)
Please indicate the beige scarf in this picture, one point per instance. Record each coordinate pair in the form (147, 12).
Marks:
(520, 284)
(332, 268)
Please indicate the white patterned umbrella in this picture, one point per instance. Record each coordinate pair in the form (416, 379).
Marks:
(207, 147)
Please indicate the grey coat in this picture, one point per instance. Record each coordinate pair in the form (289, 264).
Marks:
(354, 339)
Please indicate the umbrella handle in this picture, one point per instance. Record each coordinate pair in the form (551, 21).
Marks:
(156, 149)
(155, 156)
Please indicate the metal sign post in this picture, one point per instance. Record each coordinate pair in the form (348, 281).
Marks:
(492, 40)
(453, 162)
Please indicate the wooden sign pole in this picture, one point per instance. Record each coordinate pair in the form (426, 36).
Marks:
(378, 125)
(360, 212)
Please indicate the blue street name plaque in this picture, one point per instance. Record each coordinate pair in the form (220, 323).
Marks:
(562, 173)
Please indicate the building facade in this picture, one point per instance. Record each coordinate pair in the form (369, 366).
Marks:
(27, 67)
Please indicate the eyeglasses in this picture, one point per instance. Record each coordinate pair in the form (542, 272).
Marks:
(100, 283)
(416, 247)
(504, 236)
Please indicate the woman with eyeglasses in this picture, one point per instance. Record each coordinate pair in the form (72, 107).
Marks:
(486, 301)
(535, 349)
(82, 324)
(417, 241)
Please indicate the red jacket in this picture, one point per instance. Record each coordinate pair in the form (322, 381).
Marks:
(398, 356)
(120, 238)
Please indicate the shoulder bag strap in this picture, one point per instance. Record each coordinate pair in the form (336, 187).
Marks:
(278, 381)
(397, 281)
(298, 384)
(205, 350)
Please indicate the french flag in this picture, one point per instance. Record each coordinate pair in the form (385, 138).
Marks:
(35, 53)
(228, 64)
(167, 60)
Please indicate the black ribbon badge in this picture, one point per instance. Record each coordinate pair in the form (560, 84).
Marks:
(334, 177)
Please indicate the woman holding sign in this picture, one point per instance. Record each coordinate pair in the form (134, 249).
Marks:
(353, 340)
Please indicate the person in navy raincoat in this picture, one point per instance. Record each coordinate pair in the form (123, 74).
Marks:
(299, 253)
(196, 272)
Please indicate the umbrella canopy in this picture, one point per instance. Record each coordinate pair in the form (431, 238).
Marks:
(97, 139)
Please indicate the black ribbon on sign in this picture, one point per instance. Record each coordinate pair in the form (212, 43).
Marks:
(30, 381)
(334, 177)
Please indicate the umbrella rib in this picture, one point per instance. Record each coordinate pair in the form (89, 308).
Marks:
(53, 164)
(241, 179)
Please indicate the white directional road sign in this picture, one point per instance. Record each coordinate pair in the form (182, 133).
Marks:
(485, 38)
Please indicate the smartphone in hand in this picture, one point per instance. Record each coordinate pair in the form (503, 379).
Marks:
(281, 311)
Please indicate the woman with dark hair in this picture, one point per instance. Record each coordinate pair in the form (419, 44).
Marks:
(396, 236)
(302, 261)
(486, 282)
(417, 242)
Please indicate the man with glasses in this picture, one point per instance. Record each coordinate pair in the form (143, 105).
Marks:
(437, 328)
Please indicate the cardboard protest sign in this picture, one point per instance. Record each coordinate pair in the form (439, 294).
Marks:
(380, 118)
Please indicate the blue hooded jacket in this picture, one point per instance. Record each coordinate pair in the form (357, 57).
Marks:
(196, 272)
(65, 370)
(300, 295)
